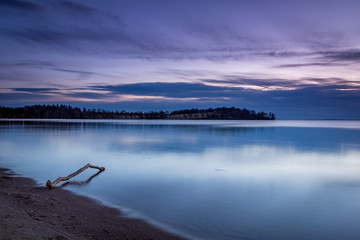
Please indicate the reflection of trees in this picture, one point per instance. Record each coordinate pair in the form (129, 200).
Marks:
(80, 183)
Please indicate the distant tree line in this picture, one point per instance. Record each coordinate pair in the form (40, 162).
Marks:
(69, 112)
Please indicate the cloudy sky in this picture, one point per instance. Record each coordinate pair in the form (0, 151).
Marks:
(299, 59)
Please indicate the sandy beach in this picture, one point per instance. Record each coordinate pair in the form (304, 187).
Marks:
(29, 211)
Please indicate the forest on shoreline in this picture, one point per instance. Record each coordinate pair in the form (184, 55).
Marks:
(69, 112)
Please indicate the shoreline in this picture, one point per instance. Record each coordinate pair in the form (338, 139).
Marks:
(30, 211)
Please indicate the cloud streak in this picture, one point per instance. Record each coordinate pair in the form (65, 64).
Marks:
(21, 5)
(35, 90)
(352, 55)
(300, 65)
(81, 73)
(77, 7)
(169, 90)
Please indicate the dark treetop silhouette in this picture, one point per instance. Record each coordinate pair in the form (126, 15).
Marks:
(69, 112)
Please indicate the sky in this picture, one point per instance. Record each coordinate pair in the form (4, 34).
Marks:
(298, 59)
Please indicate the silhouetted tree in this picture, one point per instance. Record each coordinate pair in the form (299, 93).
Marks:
(69, 112)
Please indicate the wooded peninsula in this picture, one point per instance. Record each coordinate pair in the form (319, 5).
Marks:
(69, 112)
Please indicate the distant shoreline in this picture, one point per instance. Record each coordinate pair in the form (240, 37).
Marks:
(69, 112)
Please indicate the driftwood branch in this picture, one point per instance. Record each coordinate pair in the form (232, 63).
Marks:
(53, 184)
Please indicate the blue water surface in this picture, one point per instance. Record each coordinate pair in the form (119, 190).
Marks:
(204, 179)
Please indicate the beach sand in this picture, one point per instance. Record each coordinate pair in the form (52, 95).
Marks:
(29, 211)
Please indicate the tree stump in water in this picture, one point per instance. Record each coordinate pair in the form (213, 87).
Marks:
(53, 184)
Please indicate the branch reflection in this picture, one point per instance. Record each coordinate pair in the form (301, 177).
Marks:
(81, 183)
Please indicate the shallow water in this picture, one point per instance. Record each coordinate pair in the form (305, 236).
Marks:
(205, 179)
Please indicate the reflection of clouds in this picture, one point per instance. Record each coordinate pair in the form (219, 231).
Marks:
(149, 143)
(134, 140)
(249, 162)
(294, 123)
(272, 162)
(193, 149)
(344, 184)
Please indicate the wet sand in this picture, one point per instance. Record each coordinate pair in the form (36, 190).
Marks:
(29, 211)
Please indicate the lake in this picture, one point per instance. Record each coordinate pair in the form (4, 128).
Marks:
(204, 179)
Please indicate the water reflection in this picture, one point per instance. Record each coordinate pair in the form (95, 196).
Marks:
(210, 180)
(153, 136)
(81, 183)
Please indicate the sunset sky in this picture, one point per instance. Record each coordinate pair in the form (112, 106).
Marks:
(298, 59)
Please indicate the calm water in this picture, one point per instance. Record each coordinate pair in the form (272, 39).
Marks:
(205, 179)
